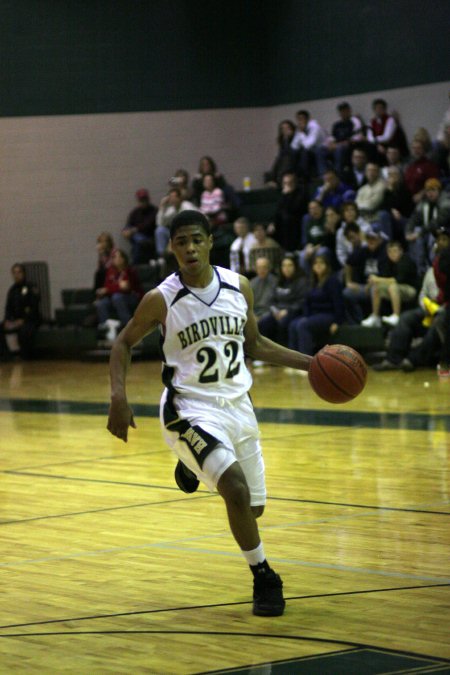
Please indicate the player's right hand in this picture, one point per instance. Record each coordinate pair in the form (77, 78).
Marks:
(120, 418)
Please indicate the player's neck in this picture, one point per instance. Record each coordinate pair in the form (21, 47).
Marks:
(200, 280)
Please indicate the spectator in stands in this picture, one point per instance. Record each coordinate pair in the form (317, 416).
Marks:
(22, 316)
(421, 134)
(441, 147)
(169, 206)
(140, 228)
(287, 302)
(350, 216)
(264, 246)
(393, 158)
(308, 138)
(369, 198)
(314, 234)
(332, 190)
(208, 165)
(323, 310)
(332, 227)
(241, 246)
(180, 180)
(442, 273)
(419, 170)
(354, 175)
(212, 201)
(286, 227)
(384, 130)
(119, 297)
(105, 250)
(420, 322)
(263, 285)
(344, 134)
(397, 202)
(396, 282)
(365, 260)
(431, 213)
(285, 161)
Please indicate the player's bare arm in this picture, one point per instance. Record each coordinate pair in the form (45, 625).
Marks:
(150, 313)
(259, 347)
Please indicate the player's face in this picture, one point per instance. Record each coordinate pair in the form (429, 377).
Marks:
(191, 246)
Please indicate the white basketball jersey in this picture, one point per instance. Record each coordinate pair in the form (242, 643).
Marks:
(203, 343)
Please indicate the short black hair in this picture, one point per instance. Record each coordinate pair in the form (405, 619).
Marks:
(379, 101)
(343, 106)
(189, 217)
(352, 227)
(303, 113)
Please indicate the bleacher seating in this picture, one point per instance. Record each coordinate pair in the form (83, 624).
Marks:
(64, 341)
(258, 205)
(77, 306)
(364, 340)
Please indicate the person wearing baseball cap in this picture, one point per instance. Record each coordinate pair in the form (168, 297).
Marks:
(430, 214)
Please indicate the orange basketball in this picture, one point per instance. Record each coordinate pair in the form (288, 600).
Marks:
(337, 373)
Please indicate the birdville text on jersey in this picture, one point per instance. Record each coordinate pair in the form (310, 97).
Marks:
(213, 325)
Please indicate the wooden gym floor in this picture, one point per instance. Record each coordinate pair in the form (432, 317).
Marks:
(107, 567)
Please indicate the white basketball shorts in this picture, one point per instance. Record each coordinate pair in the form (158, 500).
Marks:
(234, 425)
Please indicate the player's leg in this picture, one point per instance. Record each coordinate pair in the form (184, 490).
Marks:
(219, 469)
(267, 585)
(233, 488)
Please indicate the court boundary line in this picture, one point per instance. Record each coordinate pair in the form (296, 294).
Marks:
(174, 488)
(328, 417)
(313, 596)
(438, 660)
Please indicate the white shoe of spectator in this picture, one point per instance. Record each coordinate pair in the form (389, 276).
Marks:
(372, 321)
(391, 320)
(113, 328)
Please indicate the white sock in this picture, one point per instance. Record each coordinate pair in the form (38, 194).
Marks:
(255, 556)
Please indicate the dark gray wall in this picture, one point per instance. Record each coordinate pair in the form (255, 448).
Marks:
(325, 48)
(91, 56)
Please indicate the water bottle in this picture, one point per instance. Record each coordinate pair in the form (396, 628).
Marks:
(247, 183)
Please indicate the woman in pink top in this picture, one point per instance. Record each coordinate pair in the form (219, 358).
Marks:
(212, 201)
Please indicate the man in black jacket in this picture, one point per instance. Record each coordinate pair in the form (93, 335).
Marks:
(22, 316)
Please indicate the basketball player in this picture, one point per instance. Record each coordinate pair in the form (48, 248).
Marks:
(207, 320)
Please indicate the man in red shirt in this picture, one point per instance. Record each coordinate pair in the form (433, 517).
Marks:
(419, 170)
